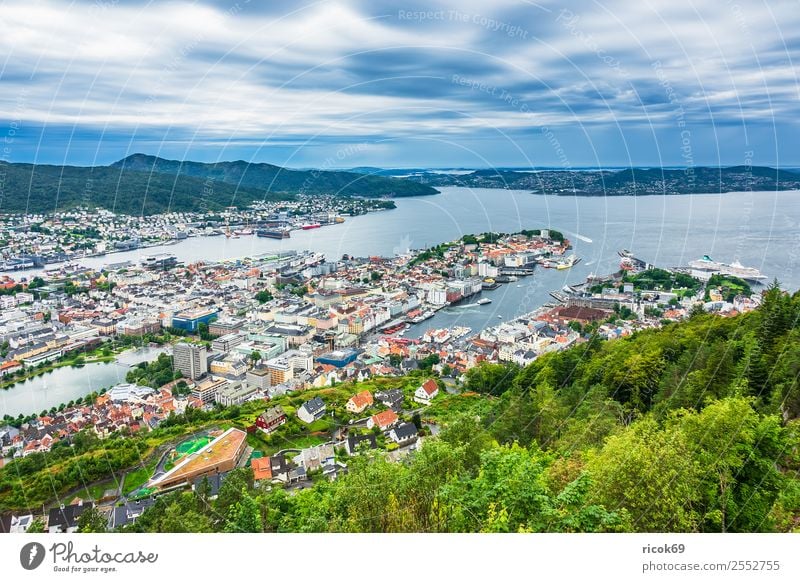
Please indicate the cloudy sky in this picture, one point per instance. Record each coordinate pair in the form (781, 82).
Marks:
(402, 84)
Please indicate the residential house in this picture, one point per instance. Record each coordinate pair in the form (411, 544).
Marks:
(271, 419)
(383, 420)
(391, 398)
(427, 392)
(403, 434)
(354, 442)
(311, 410)
(315, 457)
(359, 402)
(64, 519)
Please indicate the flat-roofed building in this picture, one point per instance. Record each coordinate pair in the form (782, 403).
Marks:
(190, 359)
(234, 393)
(206, 390)
(259, 378)
(219, 456)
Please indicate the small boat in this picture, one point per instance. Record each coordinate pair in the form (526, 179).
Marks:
(310, 226)
(499, 317)
(484, 301)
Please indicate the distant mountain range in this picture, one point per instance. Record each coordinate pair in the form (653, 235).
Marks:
(627, 182)
(142, 184)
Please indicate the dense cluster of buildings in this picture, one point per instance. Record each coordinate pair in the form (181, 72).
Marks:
(258, 328)
(36, 240)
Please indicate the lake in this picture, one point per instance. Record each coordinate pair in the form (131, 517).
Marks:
(65, 384)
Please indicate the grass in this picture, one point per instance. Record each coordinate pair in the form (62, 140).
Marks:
(191, 446)
(138, 477)
(95, 492)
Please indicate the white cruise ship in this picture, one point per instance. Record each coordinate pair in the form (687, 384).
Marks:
(705, 267)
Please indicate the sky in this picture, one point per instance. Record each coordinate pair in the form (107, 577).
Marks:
(338, 84)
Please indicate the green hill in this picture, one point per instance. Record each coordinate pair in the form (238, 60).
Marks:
(147, 185)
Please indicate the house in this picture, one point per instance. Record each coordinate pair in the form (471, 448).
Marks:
(427, 392)
(315, 457)
(360, 402)
(271, 419)
(404, 434)
(311, 410)
(354, 442)
(262, 469)
(128, 512)
(9, 367)
(64, 519)
(391, 398)
(383, 420)
(214, 483)
(21, 523)
(279, 468)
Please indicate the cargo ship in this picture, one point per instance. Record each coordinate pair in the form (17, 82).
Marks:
(273, 232)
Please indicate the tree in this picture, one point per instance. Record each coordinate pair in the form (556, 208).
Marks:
(738, 450)
(263, 296)
(487, 378)
(255, 356)
(244, 516)
(36, 526)
(92, 521)
(652, 474)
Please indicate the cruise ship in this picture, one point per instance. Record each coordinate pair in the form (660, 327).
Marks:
(705, 267)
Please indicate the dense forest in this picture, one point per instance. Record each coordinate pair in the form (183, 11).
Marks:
(689, 428)
(145, 185)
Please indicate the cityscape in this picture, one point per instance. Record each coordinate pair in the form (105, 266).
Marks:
(344, 267)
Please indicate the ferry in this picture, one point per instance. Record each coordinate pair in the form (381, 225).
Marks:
(705, 267)
(273, 232)
(484, 301)
(570, 262)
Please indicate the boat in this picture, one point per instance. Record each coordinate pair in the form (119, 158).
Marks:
(310, 226)
(273, 232)
(499, 317)
(570, 261)
(243, 231)
(706, 267)
(484, 301)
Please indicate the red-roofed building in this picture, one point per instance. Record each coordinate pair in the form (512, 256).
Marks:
(262, 469)
(359, 402)
(427, 392)
(383, 420)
